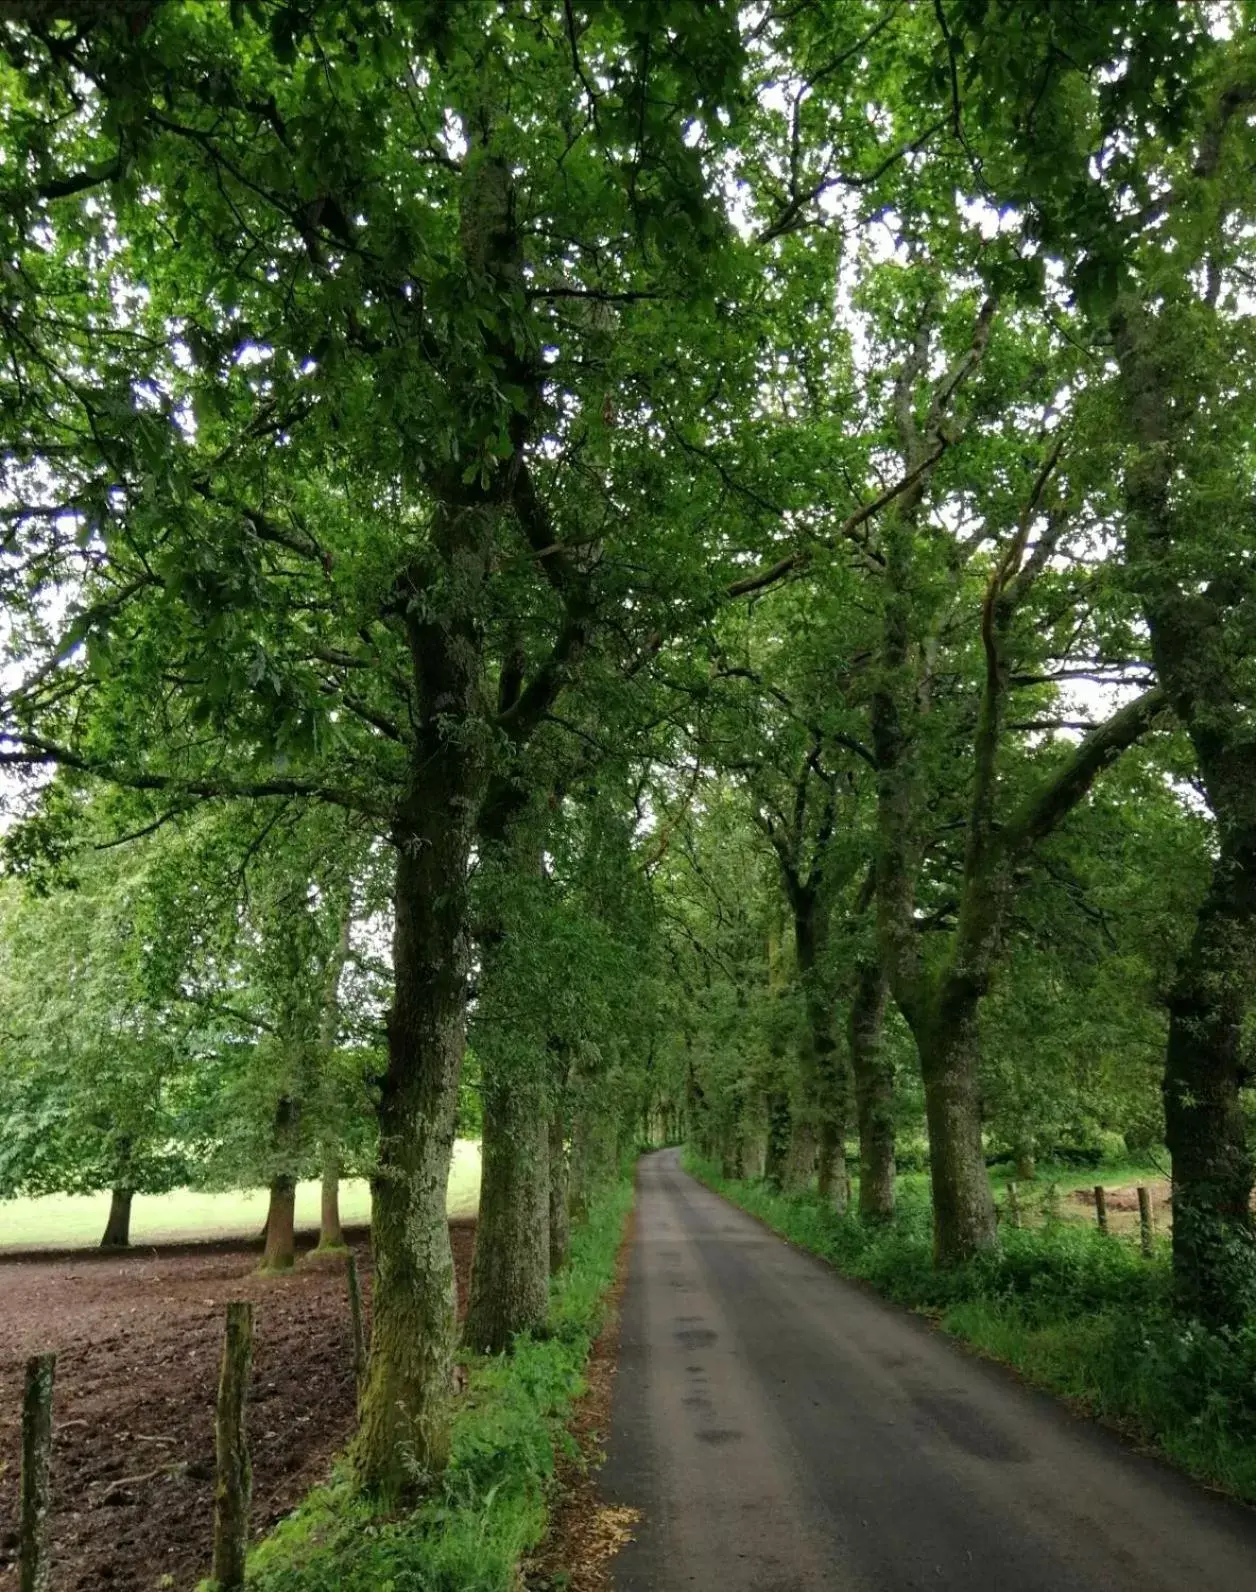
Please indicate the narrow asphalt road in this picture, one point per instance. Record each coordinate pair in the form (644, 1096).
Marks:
(780, 1431)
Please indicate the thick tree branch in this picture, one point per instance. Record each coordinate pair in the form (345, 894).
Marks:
(749, 584)
(29, 751)
(1056, 798)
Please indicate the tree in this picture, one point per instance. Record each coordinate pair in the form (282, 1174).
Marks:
(309, 485)
(97, 1045)
(1150, 238)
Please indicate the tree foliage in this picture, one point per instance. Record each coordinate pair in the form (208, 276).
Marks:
(707, 546)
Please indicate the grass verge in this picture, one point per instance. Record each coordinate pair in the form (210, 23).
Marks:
(490, 1509)
(1078, 1314)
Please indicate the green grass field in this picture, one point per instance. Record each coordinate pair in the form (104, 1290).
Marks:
(76, 1221)
(1124, 1172)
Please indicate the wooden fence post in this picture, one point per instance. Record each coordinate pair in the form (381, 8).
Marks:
(32, 1553)
(1053, 1202)
(1013, 1205)
(1145, 1221)
(1101, 1207)
(234, 1485)
(355, 1317)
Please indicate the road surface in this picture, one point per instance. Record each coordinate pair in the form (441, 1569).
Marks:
(782, 1431)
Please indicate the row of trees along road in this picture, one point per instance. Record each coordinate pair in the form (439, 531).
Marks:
(741, 515)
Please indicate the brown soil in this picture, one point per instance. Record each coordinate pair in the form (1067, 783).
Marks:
(1122, 1205)
(138, 1340)
(584, 1533)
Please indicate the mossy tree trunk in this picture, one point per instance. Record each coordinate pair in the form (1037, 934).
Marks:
(732, 1158)
(826, 1075)
(511, 1267)
(800, 1158)
(874, 1091)
(832, 1176)
(900, 703)
(559, 1180)
(405, 1403)
(964, 1221)
(1214, 1244)
(404, 1409)
(777, 1137)
(944, 1007)
(593, 1156)
(510, 1275)
(1196, 595)
(755, 1151)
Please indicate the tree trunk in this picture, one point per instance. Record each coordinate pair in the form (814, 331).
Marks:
(831, 1176)
(825, 1074)
(406, 1404)
(755, 1151)
(592, 1158)
(732, 1162)
(559, 1211)
(874, 1093)
(510, 1271)
(1214, 1245)
(330, 1233)
(1026, 1167)
(800, 1161)
(964, 1221)
(280, 1252)
(1195, 603)
(404, 1412)
(776, 1145)
(118, 1227)
(510, 1275)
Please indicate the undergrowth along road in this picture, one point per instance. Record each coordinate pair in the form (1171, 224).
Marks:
(780, 1427)
(1078, 1314)
(488, 1511)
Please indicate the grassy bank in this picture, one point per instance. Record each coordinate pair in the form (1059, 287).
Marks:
(490, 1509)
(1076, 1313)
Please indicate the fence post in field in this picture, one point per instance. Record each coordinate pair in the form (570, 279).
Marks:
(1013, 1205)
(234, 1484)
(355, 1317)
(1101, 1207)
(32, 1553)
(1145, 1221)
(1053, 1202)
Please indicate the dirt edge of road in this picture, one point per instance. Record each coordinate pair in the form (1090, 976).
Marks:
(585, 1533)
